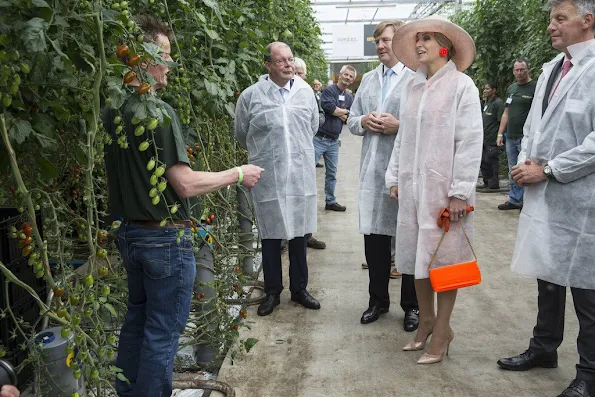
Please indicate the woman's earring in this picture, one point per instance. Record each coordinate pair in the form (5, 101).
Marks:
(443, 51)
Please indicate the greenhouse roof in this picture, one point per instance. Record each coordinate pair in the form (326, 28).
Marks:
(333, 13)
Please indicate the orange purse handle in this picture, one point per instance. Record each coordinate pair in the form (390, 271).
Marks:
(469, 209)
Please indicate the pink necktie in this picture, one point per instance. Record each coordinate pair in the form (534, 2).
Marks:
(565, 69)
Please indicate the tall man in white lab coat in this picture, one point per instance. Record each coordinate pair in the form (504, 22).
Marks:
(556, 236)
(374, 116)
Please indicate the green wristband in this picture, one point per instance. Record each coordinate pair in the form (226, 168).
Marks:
(240, 175)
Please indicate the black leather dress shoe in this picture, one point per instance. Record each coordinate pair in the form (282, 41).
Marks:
(578, 388)
(528, 360)
(335, 207)
(304, 298)
(372, 314)
(268, 305)
(411, 321)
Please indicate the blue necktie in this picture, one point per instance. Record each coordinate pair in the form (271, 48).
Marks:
(282, 92)
(386, 83)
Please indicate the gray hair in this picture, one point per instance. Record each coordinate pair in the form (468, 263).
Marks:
(299, 63)
(583, 6)
(348, 67)
(269, 49)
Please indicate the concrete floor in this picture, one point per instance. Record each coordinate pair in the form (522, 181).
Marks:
(329, 353)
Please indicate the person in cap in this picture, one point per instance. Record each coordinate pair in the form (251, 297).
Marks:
(555, 242)
(434, 165)
(374, 116)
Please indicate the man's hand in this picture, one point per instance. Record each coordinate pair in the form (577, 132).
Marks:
(390, 125)
(343, 117)
(457, 209)
(251, 175)
(528, 173)
(9, 391)
(394, 192)
(372, 123)
(500, 141)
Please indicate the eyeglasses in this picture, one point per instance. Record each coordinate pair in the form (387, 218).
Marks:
(519, 70)
(280, 62)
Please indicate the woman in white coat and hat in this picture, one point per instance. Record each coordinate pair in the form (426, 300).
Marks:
(434, 165)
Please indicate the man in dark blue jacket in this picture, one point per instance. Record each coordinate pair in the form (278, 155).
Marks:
(336, 104)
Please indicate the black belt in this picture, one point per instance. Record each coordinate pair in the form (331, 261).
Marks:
(323, 135)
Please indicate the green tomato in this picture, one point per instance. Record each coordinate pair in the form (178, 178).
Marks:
(152, 124)
(111, 339)
(91, 297)
(143, 146)
(153, 193)
(119, 129)
(156, 200)
(6, 100)
(76, 320)
(139, 130)
(88, 313)
(117, 120)
(105, 291)
(174, 209)
(153, 180)
(76, 374)
(25, 68)
(94, 374)
(160, 171)
(89, 280)
(151, 165)
(65, 332)
(135, 120)
(162, 186)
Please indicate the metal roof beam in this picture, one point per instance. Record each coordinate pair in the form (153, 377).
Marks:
(367, 20)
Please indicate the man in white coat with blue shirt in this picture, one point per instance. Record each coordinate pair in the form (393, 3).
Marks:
(556, 236)
(374, 115)
(276, 119)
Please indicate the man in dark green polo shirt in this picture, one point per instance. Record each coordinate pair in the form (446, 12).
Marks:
(492, 114)
(519, 97)
(149, 175)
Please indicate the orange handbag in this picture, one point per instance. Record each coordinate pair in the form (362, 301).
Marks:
(459, 275)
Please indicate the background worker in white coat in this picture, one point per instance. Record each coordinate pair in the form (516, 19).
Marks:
(374, 115)
(556, 237)
(434, 165)
(276, 119)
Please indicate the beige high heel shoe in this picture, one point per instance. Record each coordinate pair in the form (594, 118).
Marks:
(413, 345)
(435, 358)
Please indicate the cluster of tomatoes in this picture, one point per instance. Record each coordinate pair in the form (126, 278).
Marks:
(10, 74)
(210, 219)
(191, 154)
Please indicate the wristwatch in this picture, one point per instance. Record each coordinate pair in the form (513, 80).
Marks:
(547, 171)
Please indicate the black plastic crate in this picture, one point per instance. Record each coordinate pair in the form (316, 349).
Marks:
(18, 295)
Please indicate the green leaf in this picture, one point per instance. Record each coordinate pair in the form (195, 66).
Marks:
(47, 169)
(121, 376)
(115, 369)
(81, 156)
(155, 52)
(33, 35)
(110, 309)
(20, 130)
(212, 34)
(45, 142)
(249, 344)
(116, 93)
(231, 109)
(214, 5)
(40, 3)
(211, 88)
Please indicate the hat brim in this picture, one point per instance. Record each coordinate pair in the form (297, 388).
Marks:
(404, 42)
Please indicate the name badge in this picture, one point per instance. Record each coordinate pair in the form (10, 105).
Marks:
(509, 100)
(341, 97)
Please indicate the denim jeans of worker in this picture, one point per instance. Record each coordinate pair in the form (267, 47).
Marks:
(161, 275)
(513, 148)
(329, 148)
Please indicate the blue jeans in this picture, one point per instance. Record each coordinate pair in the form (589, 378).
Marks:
(329, 148)
(161, 275)
(513, 148)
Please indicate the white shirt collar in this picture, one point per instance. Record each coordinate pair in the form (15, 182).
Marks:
(579, 50)
(286, 86)
(398, 68)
